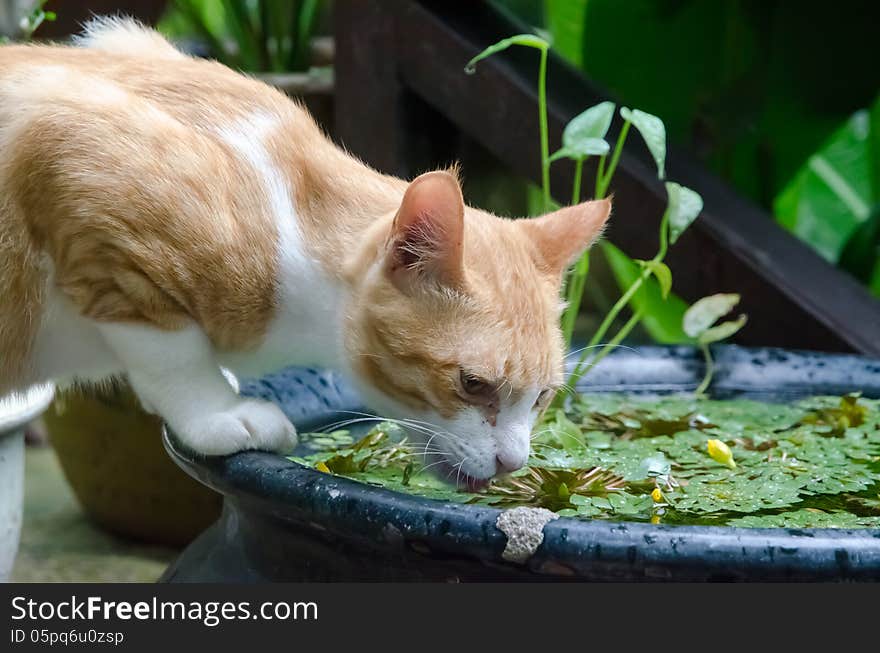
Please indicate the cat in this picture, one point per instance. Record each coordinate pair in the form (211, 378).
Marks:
(164, 217)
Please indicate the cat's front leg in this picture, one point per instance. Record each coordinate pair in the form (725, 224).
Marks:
(175, 373)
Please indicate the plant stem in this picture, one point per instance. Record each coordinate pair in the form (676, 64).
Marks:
(574, 292)
(664, 236)
(542, 121)
(615, 157)
(710, 370)
(580, 370)
(634, 287)
(599, 174)
(576, 185)
(618, 306)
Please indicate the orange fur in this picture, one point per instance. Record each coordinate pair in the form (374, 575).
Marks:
(118, 191)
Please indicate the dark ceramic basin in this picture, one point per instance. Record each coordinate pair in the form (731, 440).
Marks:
(285, 522)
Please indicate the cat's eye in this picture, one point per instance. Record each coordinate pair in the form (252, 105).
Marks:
(475, 387)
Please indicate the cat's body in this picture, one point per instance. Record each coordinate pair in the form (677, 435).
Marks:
(161, 216)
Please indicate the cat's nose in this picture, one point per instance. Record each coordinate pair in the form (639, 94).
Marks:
(509, 461)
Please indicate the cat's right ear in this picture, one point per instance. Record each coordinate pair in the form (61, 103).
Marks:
(426, 242)
(562, 236)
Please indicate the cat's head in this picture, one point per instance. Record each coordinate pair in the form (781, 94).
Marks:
(455, 323)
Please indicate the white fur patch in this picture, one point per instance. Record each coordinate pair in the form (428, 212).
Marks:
(69, 346)
(123, 35)
(307, 326)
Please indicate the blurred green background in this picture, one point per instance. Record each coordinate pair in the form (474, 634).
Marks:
(778, 97)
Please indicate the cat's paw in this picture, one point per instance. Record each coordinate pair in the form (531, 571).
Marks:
(250, 424)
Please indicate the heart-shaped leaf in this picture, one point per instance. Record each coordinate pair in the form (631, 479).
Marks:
(528, 40)
(722, 331)
(662, 273)
(655, 466)
(684, 207)
(653, 132)
(585, 133)
(704, 313)
(587, 147)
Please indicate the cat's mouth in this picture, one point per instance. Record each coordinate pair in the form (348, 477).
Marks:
(462, 480)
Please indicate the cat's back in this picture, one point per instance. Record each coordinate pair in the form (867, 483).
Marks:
(137, 61)
(130, 165)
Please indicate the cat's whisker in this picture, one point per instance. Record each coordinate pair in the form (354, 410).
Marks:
(599, 346)
(460, 466)
(538, 434)
(415, 425)
(424, 467)
(506, 382)
(366, 417)
(420, 454)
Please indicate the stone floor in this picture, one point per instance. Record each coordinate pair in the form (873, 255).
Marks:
(59, 544)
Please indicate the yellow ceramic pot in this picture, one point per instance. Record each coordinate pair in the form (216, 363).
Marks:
(112, 455)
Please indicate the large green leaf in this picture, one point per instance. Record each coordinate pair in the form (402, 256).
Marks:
(861, 254)
(874, 150)
(831, 194)
(742, 84)
(653, 132)
(565, 20)
(662, 318)
(874, 281)
(684, 207)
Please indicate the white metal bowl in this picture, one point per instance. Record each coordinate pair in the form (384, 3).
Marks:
(15, 412)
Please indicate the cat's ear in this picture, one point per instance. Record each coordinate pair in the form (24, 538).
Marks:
(562, 236)
(426, 240)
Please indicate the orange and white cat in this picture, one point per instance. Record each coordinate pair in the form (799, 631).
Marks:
(163, 217)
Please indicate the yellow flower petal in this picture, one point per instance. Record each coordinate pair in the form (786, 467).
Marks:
(721, 453)
(657, 495)
(322, 467)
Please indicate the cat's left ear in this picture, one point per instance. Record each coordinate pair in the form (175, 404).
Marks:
(562, 236)
(426, 240)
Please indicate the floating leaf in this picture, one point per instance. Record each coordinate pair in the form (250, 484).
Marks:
(683, 208)
(706, 311)
(812, 462)
(528, 40)
(656, 466)
(808, 518)
(653, 132)
(321, 466)
(850, 413)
